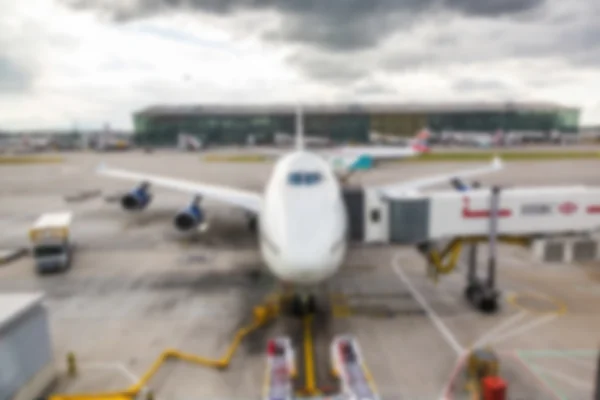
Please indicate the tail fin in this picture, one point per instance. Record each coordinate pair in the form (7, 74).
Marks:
(423, 134)
(299, 129)
(419, 143)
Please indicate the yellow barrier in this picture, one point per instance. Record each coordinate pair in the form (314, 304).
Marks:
(261, 315)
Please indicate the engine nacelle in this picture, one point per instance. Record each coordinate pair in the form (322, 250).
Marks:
(190, 217)
(138, 198)
(459, 184)
(462, 186)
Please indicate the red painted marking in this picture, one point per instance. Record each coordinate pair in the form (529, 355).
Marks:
(483, 213)
(567, 207)
(595, 209)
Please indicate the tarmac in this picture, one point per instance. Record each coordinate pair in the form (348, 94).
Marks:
(137, 287)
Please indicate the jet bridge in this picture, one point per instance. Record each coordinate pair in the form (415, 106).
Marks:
(428, 217)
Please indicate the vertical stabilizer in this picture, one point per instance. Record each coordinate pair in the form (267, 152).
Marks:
(299, 129)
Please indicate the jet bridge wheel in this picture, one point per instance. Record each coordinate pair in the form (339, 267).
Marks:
(482, 297)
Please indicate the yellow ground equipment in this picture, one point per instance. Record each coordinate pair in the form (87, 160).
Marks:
(481, 364)
(261, 315)
(442, 262)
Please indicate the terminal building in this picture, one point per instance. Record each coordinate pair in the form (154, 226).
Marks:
(234, 124)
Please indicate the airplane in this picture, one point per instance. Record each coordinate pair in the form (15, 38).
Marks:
(300, 218)
(352, 158)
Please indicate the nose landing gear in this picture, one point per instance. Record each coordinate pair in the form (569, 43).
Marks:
(252, 221)
(302, 305)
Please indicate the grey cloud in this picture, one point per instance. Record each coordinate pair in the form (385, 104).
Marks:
(333, 70)
(14, 77)
(342, 35)
(493, 7)
(372, 87)
(479, 85)
(331, 25)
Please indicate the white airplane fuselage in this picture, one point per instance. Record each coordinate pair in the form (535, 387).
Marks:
(303, 224)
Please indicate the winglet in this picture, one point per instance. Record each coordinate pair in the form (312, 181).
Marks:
(299, 129)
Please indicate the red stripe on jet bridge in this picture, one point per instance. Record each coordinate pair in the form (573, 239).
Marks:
(594, 209)
(482, 213)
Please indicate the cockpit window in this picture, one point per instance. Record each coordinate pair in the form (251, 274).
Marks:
(304, 178)
(295, 178)
(312, 178)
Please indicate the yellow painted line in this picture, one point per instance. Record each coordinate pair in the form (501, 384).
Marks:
(30, 160)
(471, 387)
(267, 382)
(309, 362)
(97, 396)
(234, 158)
(260, 319)
(561, 307)
(370, 379)
(339, 306)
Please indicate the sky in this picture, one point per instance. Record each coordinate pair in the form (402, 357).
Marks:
(86, 63)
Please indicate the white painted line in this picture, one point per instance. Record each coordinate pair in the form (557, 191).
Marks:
(437, 322)
(114, 366)
(449, 387)
(126, 371)
(506, 324)
(565, 378)
(533, 324)
(589, 364)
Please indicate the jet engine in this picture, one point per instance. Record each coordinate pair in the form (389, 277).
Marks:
(138, 198)
(189, 217)
(463, 186)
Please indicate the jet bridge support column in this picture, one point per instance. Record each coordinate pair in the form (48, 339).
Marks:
(483, 294)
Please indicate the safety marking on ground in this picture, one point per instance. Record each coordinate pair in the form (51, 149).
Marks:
(310, 387)
(437, 322)
(537, 303)
(561, 383)
(339, 305)
(116, 366)
(506, 324)
(522, 329)
(541, 382)
(262, 314)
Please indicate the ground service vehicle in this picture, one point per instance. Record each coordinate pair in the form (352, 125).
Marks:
(51, 241)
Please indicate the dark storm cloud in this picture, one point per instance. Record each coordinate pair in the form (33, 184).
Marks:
(13, 76)
(493, 7)
(339, 41)
(332, 25)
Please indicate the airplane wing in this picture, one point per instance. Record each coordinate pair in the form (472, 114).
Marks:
(392, 190)
(244, 199)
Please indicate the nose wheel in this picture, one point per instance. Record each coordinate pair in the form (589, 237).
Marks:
(303, 305)
(252, 223)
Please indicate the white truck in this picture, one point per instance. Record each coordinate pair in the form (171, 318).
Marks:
(51, 241)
